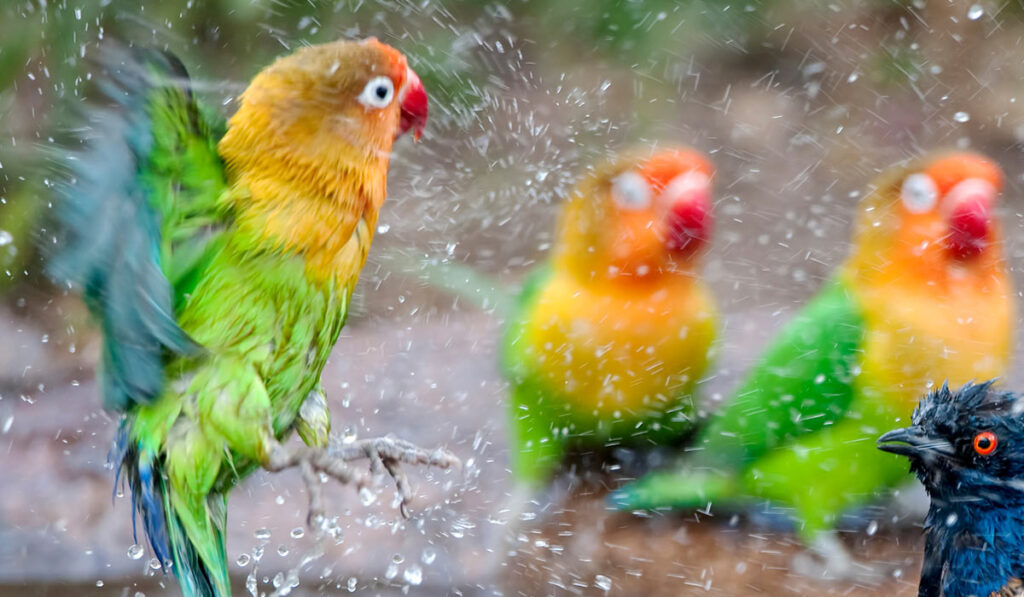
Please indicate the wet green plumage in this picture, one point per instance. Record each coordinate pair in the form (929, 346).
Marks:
(210, 337)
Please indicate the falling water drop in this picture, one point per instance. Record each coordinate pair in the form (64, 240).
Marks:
(961, 117)
(975, 12)
(135, 551)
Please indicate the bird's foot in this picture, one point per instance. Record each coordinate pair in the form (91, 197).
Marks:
(386, 455)
(828, 559)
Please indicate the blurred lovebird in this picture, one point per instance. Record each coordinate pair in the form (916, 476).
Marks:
(220, 259)
(611, 335)
(924, 297)
(967, 448)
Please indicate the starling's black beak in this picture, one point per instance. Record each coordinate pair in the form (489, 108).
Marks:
(914, 442)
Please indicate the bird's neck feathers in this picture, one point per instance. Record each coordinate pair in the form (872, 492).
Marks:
(300, 188)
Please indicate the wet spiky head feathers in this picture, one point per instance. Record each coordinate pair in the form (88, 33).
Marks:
(966, 444)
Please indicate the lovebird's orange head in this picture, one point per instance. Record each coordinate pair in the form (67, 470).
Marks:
(308, 150)
(932, 219)
(330, 103)
(643, 214)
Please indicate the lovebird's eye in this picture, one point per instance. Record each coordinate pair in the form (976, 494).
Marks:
(919, 193)
(985, 443)
(631, 191)
(378, 93)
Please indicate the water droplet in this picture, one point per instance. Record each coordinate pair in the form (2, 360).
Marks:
(975, 12)
(351, 584)
(243, 560)
(282, 550)
(413, 575)
(99, 583)
(951, 520)
(298, 532)
(872, 528)
(154, 564)
(5, 238)
(135, 551)
(603, 582)
(262, 534)
(366, 496)
(961, 117)
(428, 556)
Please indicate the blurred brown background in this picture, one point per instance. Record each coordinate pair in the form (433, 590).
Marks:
(798, 102)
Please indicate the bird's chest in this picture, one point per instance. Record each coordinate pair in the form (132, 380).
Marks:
(916, 339)
(982, 551)
(296, 357)
(609, 351)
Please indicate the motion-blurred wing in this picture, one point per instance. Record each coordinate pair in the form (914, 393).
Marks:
(137, 220)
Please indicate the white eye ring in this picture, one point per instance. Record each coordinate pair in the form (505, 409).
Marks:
(919, 193)
(631, 191)
(378, 93)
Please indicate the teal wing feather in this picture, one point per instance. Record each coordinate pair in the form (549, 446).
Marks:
(137, 219)
(803, 383)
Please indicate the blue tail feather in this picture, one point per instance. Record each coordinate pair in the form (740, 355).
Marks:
(151, 503)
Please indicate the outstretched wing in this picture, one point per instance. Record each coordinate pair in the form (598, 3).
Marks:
(137, 219)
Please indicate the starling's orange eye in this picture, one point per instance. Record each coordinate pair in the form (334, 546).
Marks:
(985, 443)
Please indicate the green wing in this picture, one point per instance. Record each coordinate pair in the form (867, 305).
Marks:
(803, 383)
(137, 219)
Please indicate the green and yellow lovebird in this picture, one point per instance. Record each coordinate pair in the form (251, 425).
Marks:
(611, 335)
(924, 298)
(220, 259)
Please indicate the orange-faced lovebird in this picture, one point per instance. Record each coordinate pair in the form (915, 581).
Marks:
(219, 259)
(923, 297)
(965, 447)
(611, 335)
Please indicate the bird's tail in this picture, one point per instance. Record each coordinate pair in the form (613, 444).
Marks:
(185, 530)
(461, 280)
(681, 488)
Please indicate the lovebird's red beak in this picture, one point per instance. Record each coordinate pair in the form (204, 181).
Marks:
(970, 217)
(689, 217)
(414, 106)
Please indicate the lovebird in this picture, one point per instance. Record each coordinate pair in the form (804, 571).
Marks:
(610, 336)
(219, 259)
(965, 448)
(923, 297)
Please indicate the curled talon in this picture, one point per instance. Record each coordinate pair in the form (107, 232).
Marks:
(386, 455)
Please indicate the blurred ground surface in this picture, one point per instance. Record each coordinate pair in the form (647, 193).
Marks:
(433, 383)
